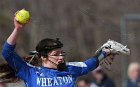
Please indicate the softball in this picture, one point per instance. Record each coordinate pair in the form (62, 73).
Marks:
(22, 16)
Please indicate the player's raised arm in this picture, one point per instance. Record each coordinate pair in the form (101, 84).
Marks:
(20, 19)
(9, 54)
(15, 34)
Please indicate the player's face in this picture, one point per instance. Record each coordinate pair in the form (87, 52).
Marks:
(56, 55)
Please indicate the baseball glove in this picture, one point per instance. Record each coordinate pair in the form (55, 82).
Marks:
(115, 49)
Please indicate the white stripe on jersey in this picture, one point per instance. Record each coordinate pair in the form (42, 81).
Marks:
(78, 64)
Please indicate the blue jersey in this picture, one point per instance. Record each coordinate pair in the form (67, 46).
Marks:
(46, 77)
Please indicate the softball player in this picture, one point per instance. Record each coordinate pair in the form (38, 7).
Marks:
(54, 71)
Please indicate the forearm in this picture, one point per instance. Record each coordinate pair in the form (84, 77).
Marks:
(13, 37)
(82, 68)
(93, 62)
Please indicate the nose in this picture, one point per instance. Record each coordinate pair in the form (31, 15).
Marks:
(61, 58)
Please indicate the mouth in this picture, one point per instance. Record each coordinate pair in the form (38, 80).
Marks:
(61, 65)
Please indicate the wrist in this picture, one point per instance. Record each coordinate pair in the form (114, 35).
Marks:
(16, 28)
(102, 55)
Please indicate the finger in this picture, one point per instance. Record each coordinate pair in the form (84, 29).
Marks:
(16, 12)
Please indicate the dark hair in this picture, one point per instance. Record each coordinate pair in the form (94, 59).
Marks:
(47, 45)
(7, 73)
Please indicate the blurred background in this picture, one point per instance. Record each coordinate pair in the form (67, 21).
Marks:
(82, 25)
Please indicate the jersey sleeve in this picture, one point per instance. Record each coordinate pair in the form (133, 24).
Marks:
(81, 68)
(20, 67)
(92, 63)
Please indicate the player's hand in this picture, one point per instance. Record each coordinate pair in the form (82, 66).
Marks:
(17, 24)
(109, 52)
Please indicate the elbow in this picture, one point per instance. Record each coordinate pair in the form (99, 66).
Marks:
(5, 53)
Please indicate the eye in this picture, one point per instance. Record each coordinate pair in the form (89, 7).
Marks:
(63, 54)
(59, 54)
